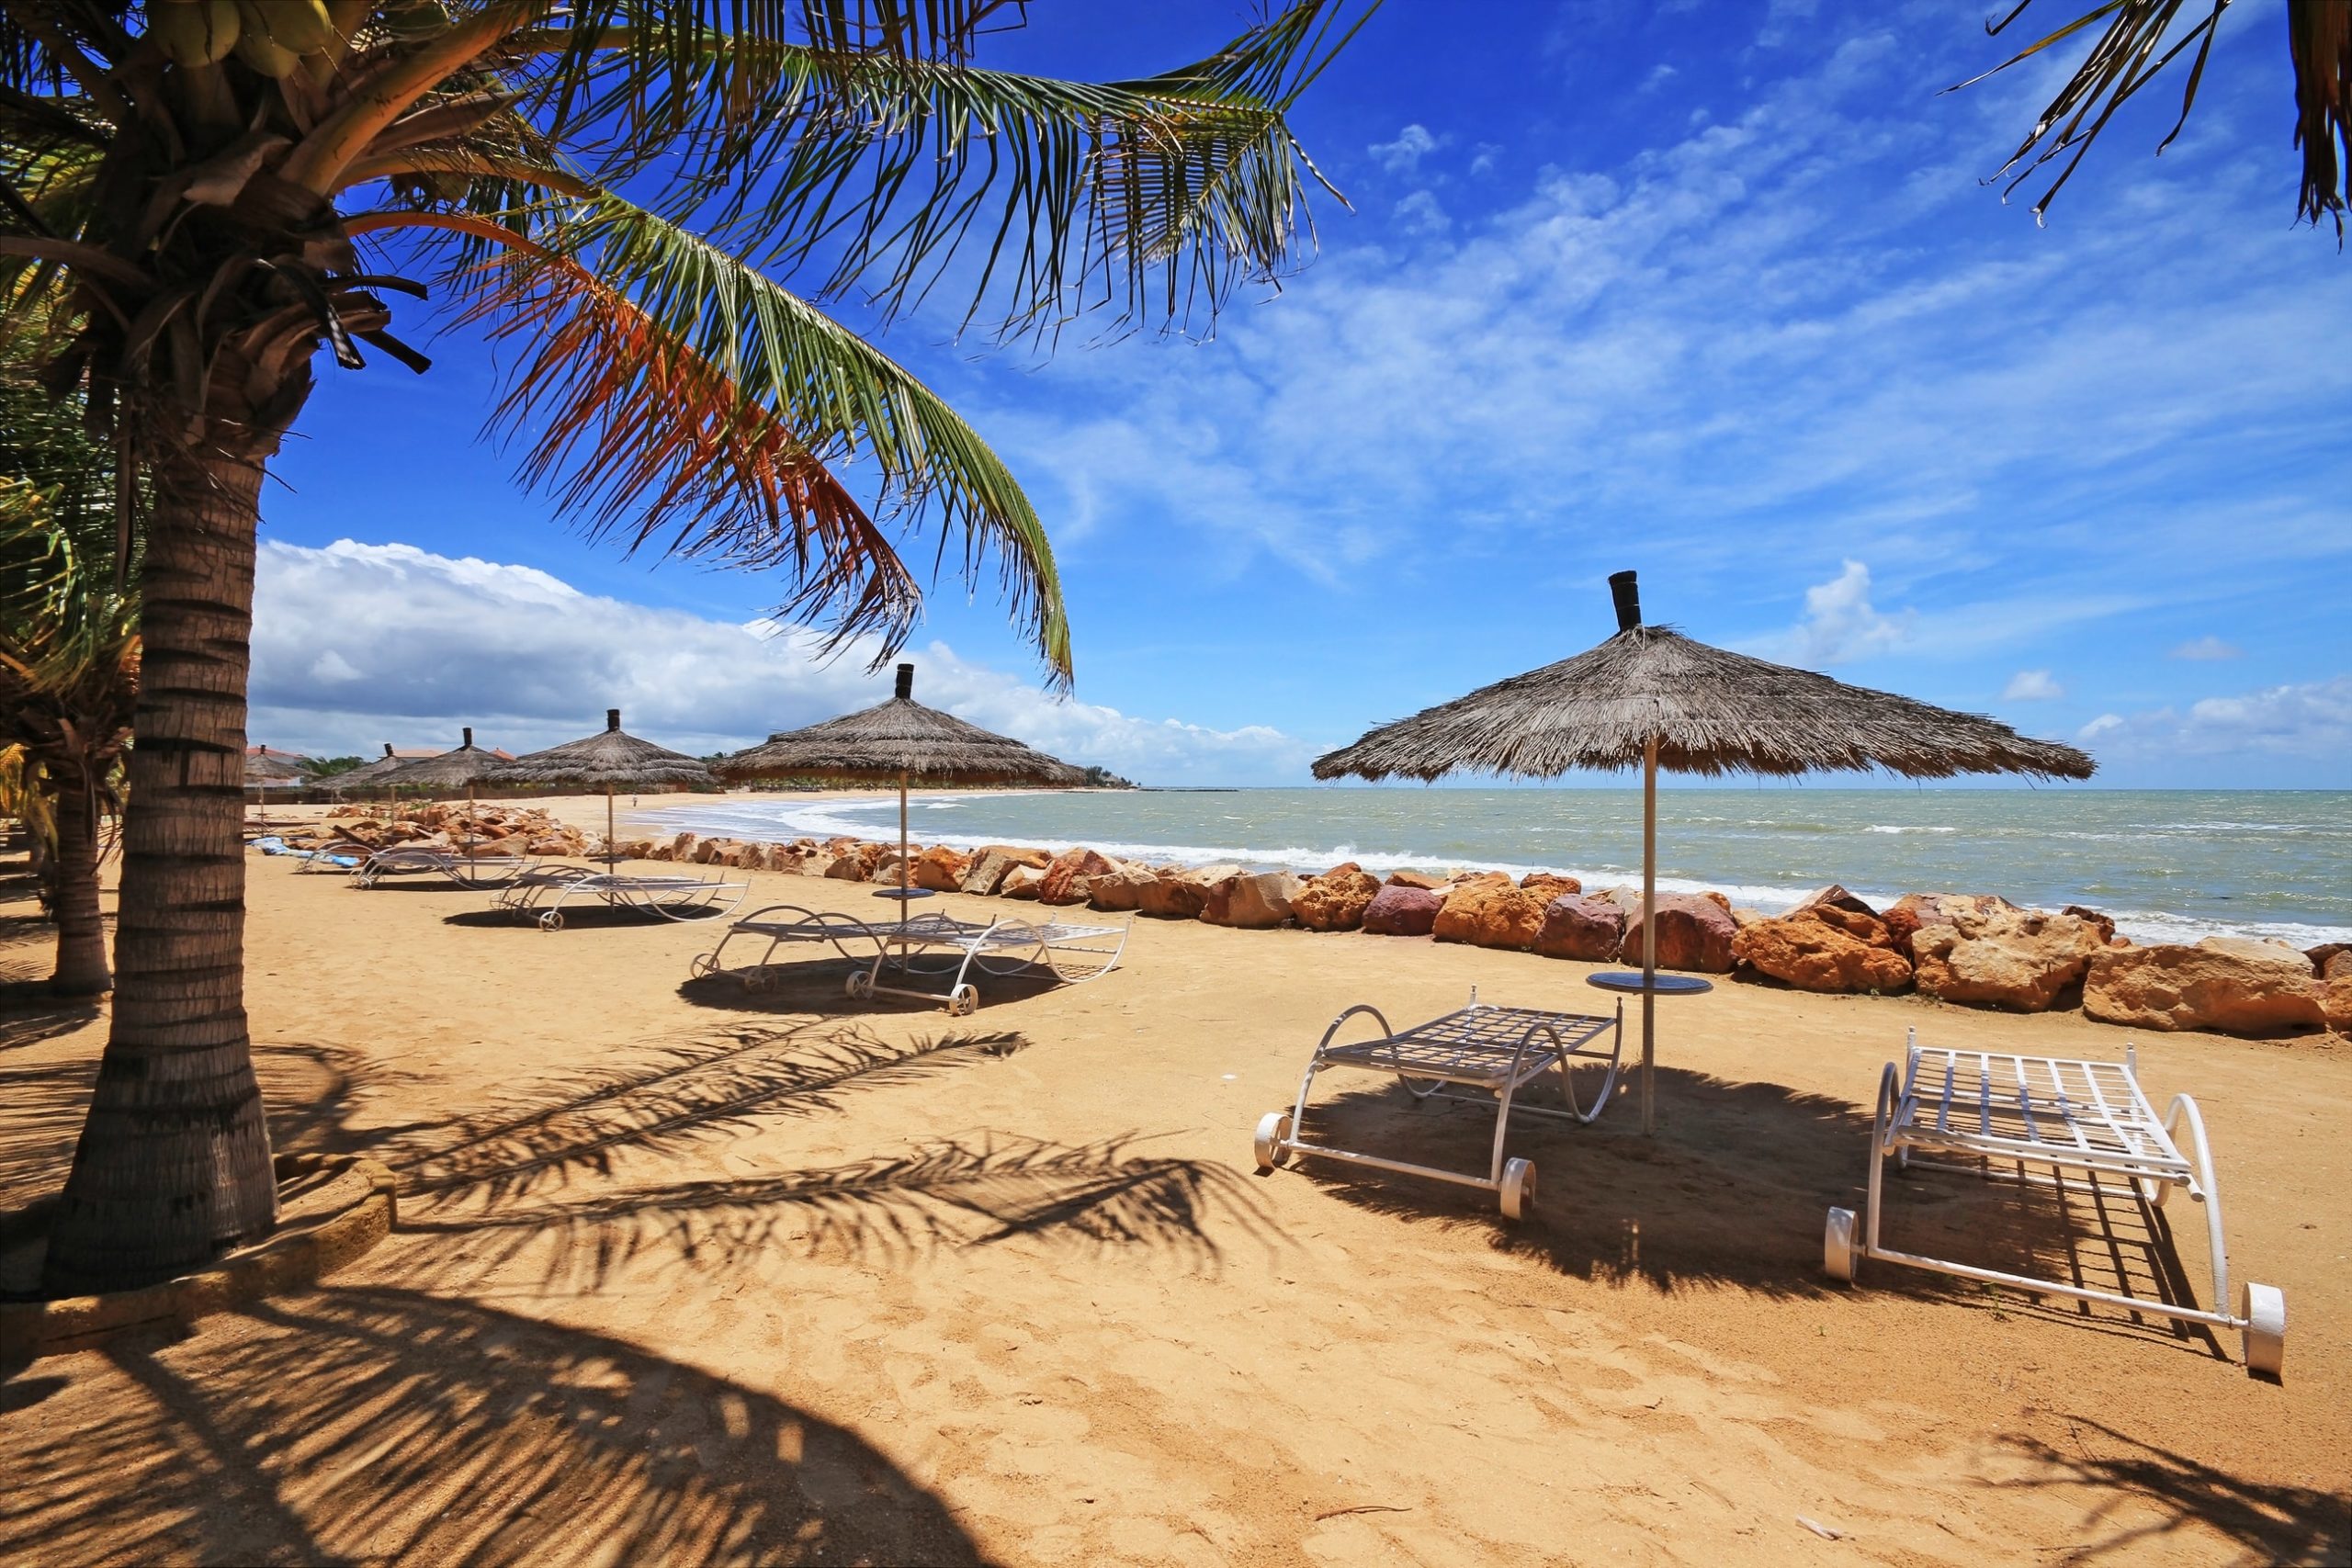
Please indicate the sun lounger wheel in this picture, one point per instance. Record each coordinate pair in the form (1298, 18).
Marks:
(551, 921)
(860, 985)
(962, 1001)
(702, 967)
(1519, 1188)
(1273, 1130)
(1837, 1247)
(2264, 1307)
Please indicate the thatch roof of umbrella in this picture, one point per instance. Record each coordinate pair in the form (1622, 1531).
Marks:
(264, 766)
(610, 759)
(461, 768)
(369, 775)
(899, 738)
(1713, 711)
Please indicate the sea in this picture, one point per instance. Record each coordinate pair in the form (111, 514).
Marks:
(2168, 865)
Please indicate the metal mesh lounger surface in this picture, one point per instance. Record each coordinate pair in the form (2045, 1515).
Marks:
(472, 872)
(540, 896)
(1007, 946)
(1492, 1051)
(1970, 1110)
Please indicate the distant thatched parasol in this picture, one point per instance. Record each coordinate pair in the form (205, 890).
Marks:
(264, 768)
(610, 759)
(1651, 695)
(465, 767)
(371, 775)
(901, 741)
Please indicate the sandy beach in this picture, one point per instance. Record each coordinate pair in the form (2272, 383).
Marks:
(690, 1274)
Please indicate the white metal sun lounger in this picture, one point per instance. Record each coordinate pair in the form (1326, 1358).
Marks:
(932, 944)
(539, 895)
(2087, 1118)
(1492, 1051)
(476, 872)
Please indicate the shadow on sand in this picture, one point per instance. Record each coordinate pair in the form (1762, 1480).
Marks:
(1734, 1190)
(2272, 1524)
(382, 1424)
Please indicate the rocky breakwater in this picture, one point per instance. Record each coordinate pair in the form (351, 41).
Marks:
(1831, 942)
(2229, 984)
(1975, 950)
(485, 829)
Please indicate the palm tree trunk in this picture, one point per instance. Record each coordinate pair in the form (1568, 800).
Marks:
(174, 1163)
(81, 935)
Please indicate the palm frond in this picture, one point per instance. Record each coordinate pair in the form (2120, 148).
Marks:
(669, 392)
(2136, 46)
(2319, 35)
(1154, 197)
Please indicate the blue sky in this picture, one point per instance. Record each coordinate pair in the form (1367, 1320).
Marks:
(1712, 292)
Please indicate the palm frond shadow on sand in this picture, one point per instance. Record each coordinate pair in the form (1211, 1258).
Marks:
(2271, 1524)
(1734, 1191)
(386, 1425)
(888, 1211)
(672, 1097)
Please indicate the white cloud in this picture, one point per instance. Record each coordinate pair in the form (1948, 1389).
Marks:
(1421, 214)
(1841, 624)
(2032, 686)
(2207, 648)
(529, 660)
(2307, 722)
(1658, 77)
(1482, 161)
(1403, 157)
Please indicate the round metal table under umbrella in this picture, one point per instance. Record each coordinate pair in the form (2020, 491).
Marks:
(610, 757)
(1651, 695)
(899, 739)
(467, 765)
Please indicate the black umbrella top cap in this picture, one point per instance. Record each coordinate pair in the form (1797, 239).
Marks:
(1629, 600)
(906, 682)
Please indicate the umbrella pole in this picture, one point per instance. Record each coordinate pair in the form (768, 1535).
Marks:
(1649, 931)
(612, 844)
(902, 845)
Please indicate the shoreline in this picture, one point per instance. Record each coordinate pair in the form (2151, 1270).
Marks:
(707, 815)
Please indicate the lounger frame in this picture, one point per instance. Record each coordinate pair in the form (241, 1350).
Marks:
(476, 874)
(927, 945)
(1492, 1053)
(539, 895)
(2057, 1123)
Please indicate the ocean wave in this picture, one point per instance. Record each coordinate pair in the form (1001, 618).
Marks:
(1894, 828)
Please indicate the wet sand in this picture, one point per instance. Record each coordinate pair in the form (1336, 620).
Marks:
(687, 1273)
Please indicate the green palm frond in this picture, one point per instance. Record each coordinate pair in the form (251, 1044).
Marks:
(2136, 46)
(1154, 197)
(670, 393)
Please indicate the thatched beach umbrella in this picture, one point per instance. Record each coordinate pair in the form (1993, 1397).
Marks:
(901, 741)
(369, 775)
(611, 758)
(1651, 695)
(264, 768)
(467, 765)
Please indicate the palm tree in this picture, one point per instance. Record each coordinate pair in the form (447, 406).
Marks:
(69, 645)
(618, 191)
(2124, 58)
(69, 680)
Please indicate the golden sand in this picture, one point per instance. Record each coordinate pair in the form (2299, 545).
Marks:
(690, 1275)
